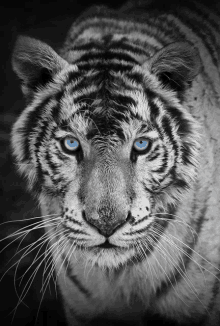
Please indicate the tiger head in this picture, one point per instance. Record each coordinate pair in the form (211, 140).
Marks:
(107, 142)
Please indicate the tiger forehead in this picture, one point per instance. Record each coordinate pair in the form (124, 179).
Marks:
(107, 80)
(108, 90)
(116, 127)
(101, 110)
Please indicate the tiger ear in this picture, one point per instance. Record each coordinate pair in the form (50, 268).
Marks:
(35, 63)
(176, 65)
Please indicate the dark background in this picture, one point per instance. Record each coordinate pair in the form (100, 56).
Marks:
(48, 21)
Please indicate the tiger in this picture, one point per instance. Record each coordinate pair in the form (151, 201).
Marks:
(119, 142)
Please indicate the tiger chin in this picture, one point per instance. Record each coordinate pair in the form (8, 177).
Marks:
(120, 144)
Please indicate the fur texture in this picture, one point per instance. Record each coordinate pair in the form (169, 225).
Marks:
(120, 144)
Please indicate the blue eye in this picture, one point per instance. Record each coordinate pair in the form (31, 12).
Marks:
(71, 144)
(142, 144)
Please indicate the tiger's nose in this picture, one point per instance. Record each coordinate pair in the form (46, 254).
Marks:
(105, 224)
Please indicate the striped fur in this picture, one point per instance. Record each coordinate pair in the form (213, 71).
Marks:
(140, 72)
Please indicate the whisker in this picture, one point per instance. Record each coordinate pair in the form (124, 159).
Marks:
(183, 274)
(69, 253)
(202, 257)
(26, 251)
(50, 275)
(55, 256)
(28, 229)
(46, 238)
(159, 231)
(149, 265)
(174, 263)
(18, 252)
(28, 219)
(51, 263)
(25, 291)
(30, 280)
(168, 277)
(37, 257)
(193, 231)
(168, 240)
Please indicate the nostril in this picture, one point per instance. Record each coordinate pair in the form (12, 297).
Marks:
(107, 227)
(84, 215)
(130, 219)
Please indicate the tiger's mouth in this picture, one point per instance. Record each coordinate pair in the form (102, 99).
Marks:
(106, 245)
(81, 243)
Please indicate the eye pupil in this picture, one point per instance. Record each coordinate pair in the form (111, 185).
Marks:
(71, 144)
(141, 145)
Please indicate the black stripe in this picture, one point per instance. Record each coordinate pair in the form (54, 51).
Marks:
(22, 131)
(154, 154)
(151, 239)
(42, 134)
(39, 180)
(71, 219)
(169, 29)
(106, 56)
(71, 230)
(53, 166)
(184, 261)
(121, 45)
(117, 66)
(64, 126)
(74, 278)
(167, 128)
(50, 191)
(215, 291)
(89, 46)
(72, 76)
(139, 231)
(164, 164)
(199, 9)
(124, 45)
(117, 17)
(172, 26)
(135, 77)
(31, 122)
(174, 113)
(151, 191)
(62, 157)
(124, 101)
(87, 98)
(39, 141)
(202, 32)
(184, 127)
(138, 222)
(63, 189)
(85, 82)
(181, 184)
(186, 153)
(154, 109)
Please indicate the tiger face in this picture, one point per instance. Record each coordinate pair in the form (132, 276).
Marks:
(111, 153)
